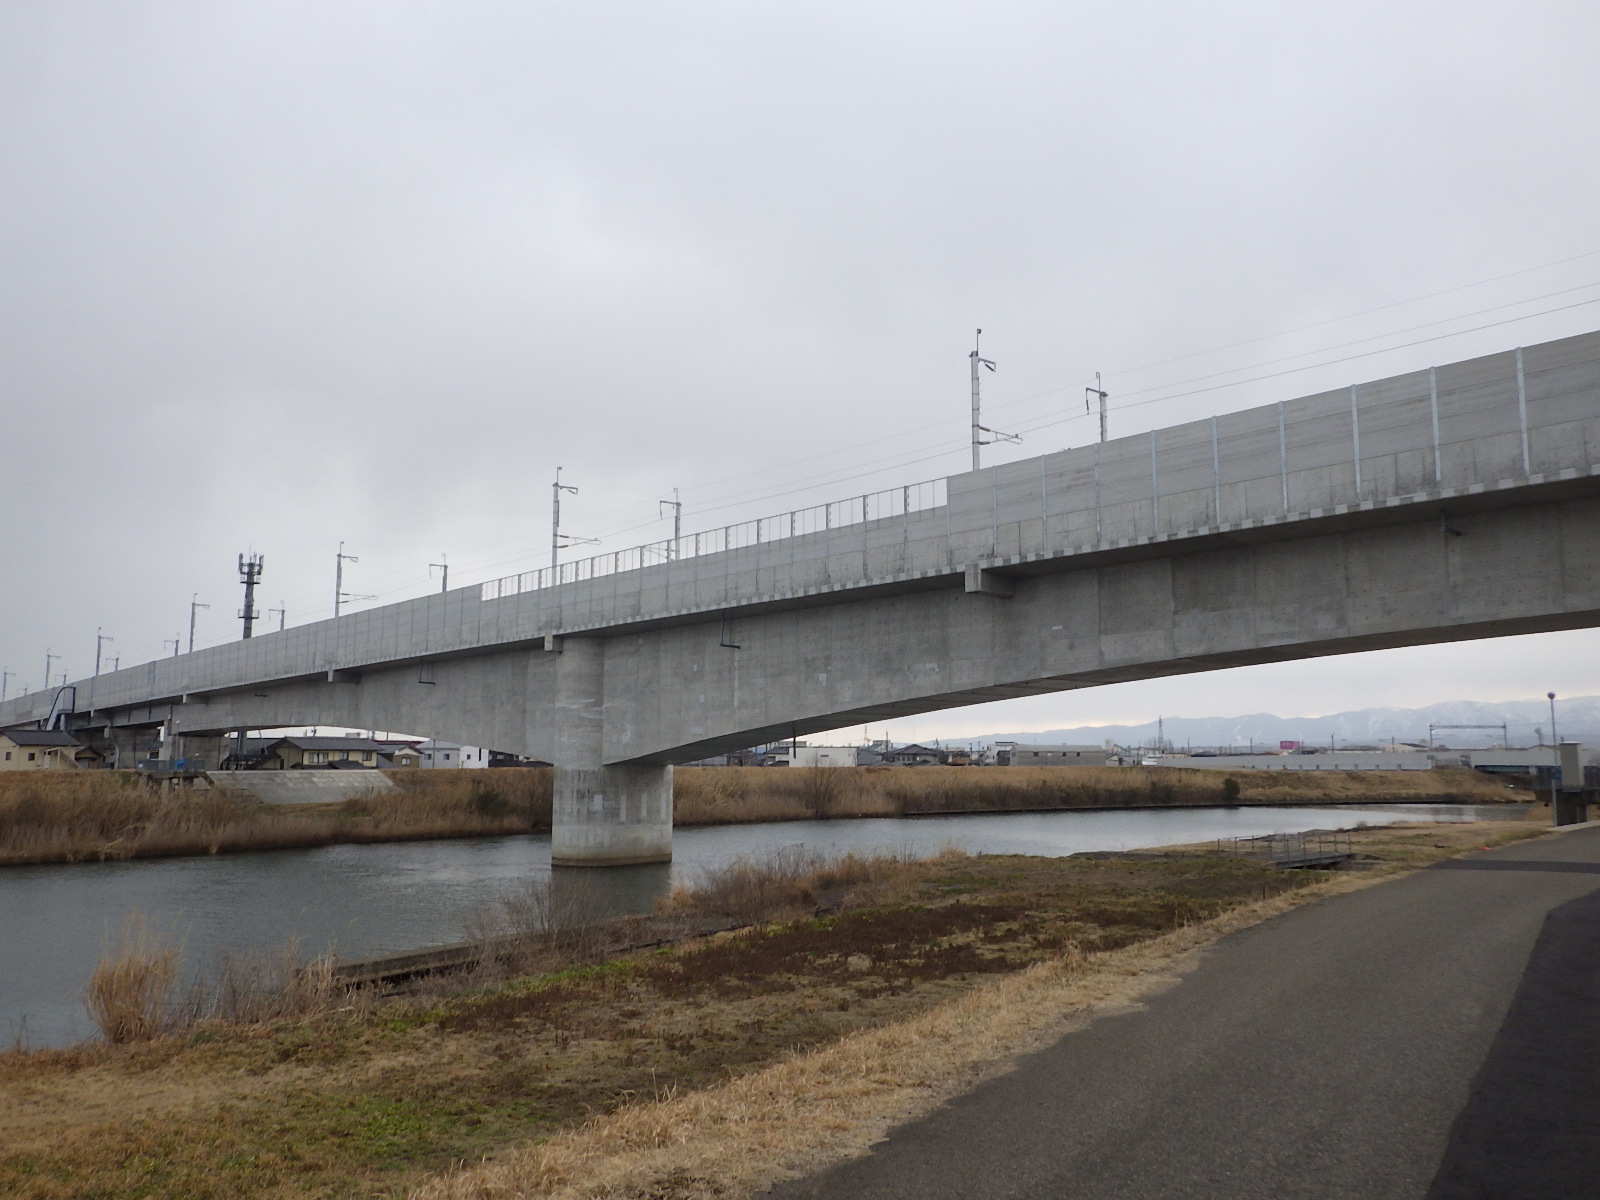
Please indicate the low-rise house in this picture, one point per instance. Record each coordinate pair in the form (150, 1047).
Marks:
(44, 750)
(803, 755)
(438, 755)
(914, 756)
(1023, 754)
(296, 753)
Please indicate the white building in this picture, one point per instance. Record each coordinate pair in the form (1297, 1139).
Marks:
(802, 755)
(451, 755)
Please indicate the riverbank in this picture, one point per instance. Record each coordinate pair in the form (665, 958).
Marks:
(735, 795)
(99, 816)
(577, 1071)
(113, 816)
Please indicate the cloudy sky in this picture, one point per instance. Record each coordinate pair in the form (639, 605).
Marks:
(274, 276)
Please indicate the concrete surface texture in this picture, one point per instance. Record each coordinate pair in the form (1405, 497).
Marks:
(1455, 503)
(302, 787)
(1430, 1037)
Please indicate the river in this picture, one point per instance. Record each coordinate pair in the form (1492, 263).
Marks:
(359, 901)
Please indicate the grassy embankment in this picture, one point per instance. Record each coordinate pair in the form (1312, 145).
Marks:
(89, 816)
(108, 815)
(731, 795)
(709, 1068)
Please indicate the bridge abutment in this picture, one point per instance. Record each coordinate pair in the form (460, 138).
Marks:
(604, 816)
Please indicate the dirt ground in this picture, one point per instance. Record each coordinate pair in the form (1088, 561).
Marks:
(381, 1097)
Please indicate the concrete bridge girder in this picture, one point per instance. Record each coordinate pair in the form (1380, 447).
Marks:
(1453, 503)
(678, 693)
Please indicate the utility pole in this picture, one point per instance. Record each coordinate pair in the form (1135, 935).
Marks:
(1555, 771)
(194, 603)
(556, 536)
(444, 572)
(1099, 391)
(338, 577)
(48, 659)
(100, 639)
(5, 683)
(250, 575)
(283, 615)
(978, 428)
(556, 489)
(677, 520)
(176, 644)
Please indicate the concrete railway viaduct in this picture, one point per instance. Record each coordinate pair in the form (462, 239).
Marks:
(1453, 503)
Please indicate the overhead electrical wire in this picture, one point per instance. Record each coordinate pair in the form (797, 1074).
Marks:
(926, 452)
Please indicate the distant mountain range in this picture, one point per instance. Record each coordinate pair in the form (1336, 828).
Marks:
(1527, 722)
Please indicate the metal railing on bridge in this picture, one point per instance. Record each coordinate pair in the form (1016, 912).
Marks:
(819, 518)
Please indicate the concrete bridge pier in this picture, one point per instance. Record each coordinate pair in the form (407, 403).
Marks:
(604, 816)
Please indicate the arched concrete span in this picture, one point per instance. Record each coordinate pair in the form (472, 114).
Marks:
(1444, 505)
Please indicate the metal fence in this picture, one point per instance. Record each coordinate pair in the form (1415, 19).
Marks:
(799, 522)
(1291, 849)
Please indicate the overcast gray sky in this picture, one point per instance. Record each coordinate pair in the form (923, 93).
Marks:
(274, 275)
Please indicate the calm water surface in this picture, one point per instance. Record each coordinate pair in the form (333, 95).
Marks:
(366, 900)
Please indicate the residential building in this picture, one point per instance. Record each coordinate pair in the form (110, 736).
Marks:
(914, 756)
(44, 750)
(296, 753)
(438, 755)
(1023, 754)
(800, 754)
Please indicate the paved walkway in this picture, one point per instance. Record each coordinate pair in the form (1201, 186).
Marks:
(1432, 1038)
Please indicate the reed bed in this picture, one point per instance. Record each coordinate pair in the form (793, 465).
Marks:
(89, 816)
(733, 795)
(790, 882)
(141, 989)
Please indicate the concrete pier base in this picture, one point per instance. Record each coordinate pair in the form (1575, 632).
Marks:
(612, 816)
(604, 816)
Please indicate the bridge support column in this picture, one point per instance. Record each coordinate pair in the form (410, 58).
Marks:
(604, 816)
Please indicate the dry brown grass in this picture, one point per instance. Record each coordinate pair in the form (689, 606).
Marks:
(790, 882)
(731, 795)
(822, 1105)
(130, 993)
(721, 1063)
(88, 816)
(138, 991)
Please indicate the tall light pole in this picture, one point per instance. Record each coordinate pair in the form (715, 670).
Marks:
(100, 639)
(250, 575)
(48, 659)
(443, 567)
(5, 683)
(176, 644)
(194, 605)
(283, 615)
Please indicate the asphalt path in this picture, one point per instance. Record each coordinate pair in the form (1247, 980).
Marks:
(1436, 1037)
